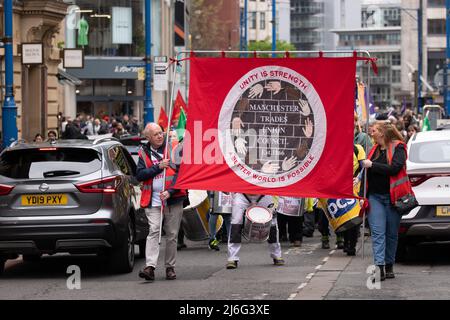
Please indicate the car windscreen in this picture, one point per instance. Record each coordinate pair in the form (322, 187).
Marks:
(430, 152)
(49, 163)
(134, 141)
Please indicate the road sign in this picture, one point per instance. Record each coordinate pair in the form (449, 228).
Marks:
(160, 74)
(32, 53)
(73, 59)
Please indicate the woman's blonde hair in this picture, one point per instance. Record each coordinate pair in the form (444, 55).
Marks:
(389, 131)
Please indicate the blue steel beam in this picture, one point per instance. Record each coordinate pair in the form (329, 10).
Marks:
(447, 60)
(148, 104)
(9, 109)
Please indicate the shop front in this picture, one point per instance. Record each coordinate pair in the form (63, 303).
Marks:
(110, 87)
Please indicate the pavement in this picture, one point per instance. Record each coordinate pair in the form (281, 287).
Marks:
(342, 277)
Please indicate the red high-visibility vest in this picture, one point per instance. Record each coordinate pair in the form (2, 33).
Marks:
(399, 185)
(146, 195)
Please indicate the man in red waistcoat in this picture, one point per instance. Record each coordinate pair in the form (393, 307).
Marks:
(156, 193)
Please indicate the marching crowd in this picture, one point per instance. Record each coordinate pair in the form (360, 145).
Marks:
(292, 218)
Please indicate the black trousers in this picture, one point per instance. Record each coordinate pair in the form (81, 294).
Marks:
(350, 235)
(294, 227)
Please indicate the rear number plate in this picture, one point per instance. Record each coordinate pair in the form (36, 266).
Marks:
(443, 211)
(44, 200)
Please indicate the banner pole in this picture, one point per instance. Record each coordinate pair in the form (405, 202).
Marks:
(166, 148)
(367, 151)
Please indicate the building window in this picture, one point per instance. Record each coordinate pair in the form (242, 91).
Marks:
(252, 24)
(262, 20)
(396, 60)
(110, 28)
(436, 26)
(396, 76)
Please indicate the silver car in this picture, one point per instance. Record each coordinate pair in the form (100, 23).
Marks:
(75, 196)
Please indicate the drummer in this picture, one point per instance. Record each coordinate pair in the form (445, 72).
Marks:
(290, 212)
(241, 202)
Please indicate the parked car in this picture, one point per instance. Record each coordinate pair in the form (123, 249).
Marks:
(132, 143)
(428, 167)
(75, 196)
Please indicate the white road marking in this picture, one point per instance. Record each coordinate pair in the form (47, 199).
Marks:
(318, 267)
(332, 251)
(292, 296)
(325, 259)
(300, 287)
(310, 275)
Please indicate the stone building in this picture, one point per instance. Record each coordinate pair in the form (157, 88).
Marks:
(35, 86)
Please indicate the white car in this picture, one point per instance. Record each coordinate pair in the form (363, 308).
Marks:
(428, 167)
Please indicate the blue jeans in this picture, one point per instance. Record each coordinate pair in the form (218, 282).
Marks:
(384, 222)
(212, 221)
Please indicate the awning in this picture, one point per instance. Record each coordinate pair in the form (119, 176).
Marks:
(64, 76)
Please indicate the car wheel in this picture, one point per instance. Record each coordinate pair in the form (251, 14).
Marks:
(402, 250)
(31, 257)
(122, 258)
(142, 245)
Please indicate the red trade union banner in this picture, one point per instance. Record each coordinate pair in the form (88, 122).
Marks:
(276, 126)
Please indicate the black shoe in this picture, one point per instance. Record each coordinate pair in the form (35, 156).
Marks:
(170, 273)
(390, 271)
(278, 261)
(308, 234)
(325, 243)
(350, 251)
(181, 246)
(382, 274)
(148, 273)
(232, 264)
(339, 242)
(214, 245)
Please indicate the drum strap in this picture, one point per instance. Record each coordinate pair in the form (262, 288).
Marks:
(248, 199)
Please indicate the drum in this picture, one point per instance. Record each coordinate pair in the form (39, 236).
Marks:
(289, 206)
(222, 203)
(257, 224)
(194, 221)
(343, 214)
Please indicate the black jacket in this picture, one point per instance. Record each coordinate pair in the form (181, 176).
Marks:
(143, 173)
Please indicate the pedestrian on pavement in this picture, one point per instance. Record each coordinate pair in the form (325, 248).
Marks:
(360, 137)
(386, 165)
(51, 136)
(241, 202)
(156, 193)
(120, 131)
(290, 213)
(38, 138)
(412, 129)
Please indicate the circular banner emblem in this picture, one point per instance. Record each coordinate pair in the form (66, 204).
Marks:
(272, 127)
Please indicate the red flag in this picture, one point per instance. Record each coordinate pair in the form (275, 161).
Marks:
(270, 126)
(177, 105)
(163, 120)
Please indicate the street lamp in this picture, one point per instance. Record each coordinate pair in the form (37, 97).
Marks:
(274, 28)
(420, 49)
(243, 38)
(148, 104)
(447, 60)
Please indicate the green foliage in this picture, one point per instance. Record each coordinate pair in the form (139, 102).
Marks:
(204, 24)
(266, 45)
